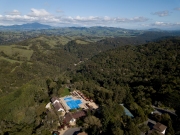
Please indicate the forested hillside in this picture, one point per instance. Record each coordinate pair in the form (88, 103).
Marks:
(46, 57)
(11, 34)
(25, 67)
(110, 71)
(16, 33)
(138, 77)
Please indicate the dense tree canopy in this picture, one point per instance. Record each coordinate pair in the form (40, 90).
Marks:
(109, 71)
(137, 76)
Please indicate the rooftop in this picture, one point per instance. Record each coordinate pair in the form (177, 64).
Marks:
(159, 127)
(154, 131)
(57, 106)
(79, 114)
(54, 99)
(69, 116)
(82, 133)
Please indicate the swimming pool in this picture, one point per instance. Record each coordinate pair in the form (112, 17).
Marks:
(68, 98)
(73, 104)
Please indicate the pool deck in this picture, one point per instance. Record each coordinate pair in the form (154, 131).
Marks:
(76, 96)
(66, 107)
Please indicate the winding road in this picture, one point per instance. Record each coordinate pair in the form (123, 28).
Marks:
(72, 131)
(165, 111)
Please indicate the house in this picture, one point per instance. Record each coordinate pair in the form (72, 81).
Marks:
(79, 114)
(160, 128)
(54, 100)
(70, 118)
(150, 132)
(56, 104)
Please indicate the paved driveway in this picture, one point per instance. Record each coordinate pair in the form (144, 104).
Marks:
(72, 131)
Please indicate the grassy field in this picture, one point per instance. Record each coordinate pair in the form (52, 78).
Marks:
(52, 41)
(10, 60)
(81, 42)
(64, 40)
(12, 51)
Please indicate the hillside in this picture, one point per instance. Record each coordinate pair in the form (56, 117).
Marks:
(137, 76)
(87, 34)
(48, 56)
(110, 71)
(28, 26)
(15, 33)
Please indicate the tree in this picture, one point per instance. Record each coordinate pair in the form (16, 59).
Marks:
(131, 128)
(117, 131)
(92, 125)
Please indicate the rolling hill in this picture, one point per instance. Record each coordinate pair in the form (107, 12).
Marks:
(28, 26)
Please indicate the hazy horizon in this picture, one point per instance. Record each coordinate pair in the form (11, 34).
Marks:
(118, 13)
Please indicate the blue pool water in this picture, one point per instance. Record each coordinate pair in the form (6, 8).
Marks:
(127, 112)
(73, 104)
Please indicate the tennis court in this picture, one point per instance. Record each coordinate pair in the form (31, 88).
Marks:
(73, 104)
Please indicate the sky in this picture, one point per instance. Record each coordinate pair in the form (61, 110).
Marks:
(129, 14)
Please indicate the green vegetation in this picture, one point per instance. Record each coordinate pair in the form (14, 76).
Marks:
(92, 125)
(92, 34)
(137, 76)
(108, 70)
(81, 42)
(9, 60)
(64, 92)
(16, 53)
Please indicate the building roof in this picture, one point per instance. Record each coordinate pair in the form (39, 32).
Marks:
(79, 114)
(152, 131)
(159, 127)
(54, 99)
(57, 106)
(69, 116)
(82, 133)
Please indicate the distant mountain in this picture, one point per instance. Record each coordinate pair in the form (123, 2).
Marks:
(154, 29)
(28, 26)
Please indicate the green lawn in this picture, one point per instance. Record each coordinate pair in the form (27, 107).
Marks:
(65, 92)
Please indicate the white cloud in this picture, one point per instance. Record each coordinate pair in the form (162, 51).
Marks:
(135, 19)
(161, 24)
(39, 13)
(139, 19)
(43, 16)
(14, 12)
(161, 13)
